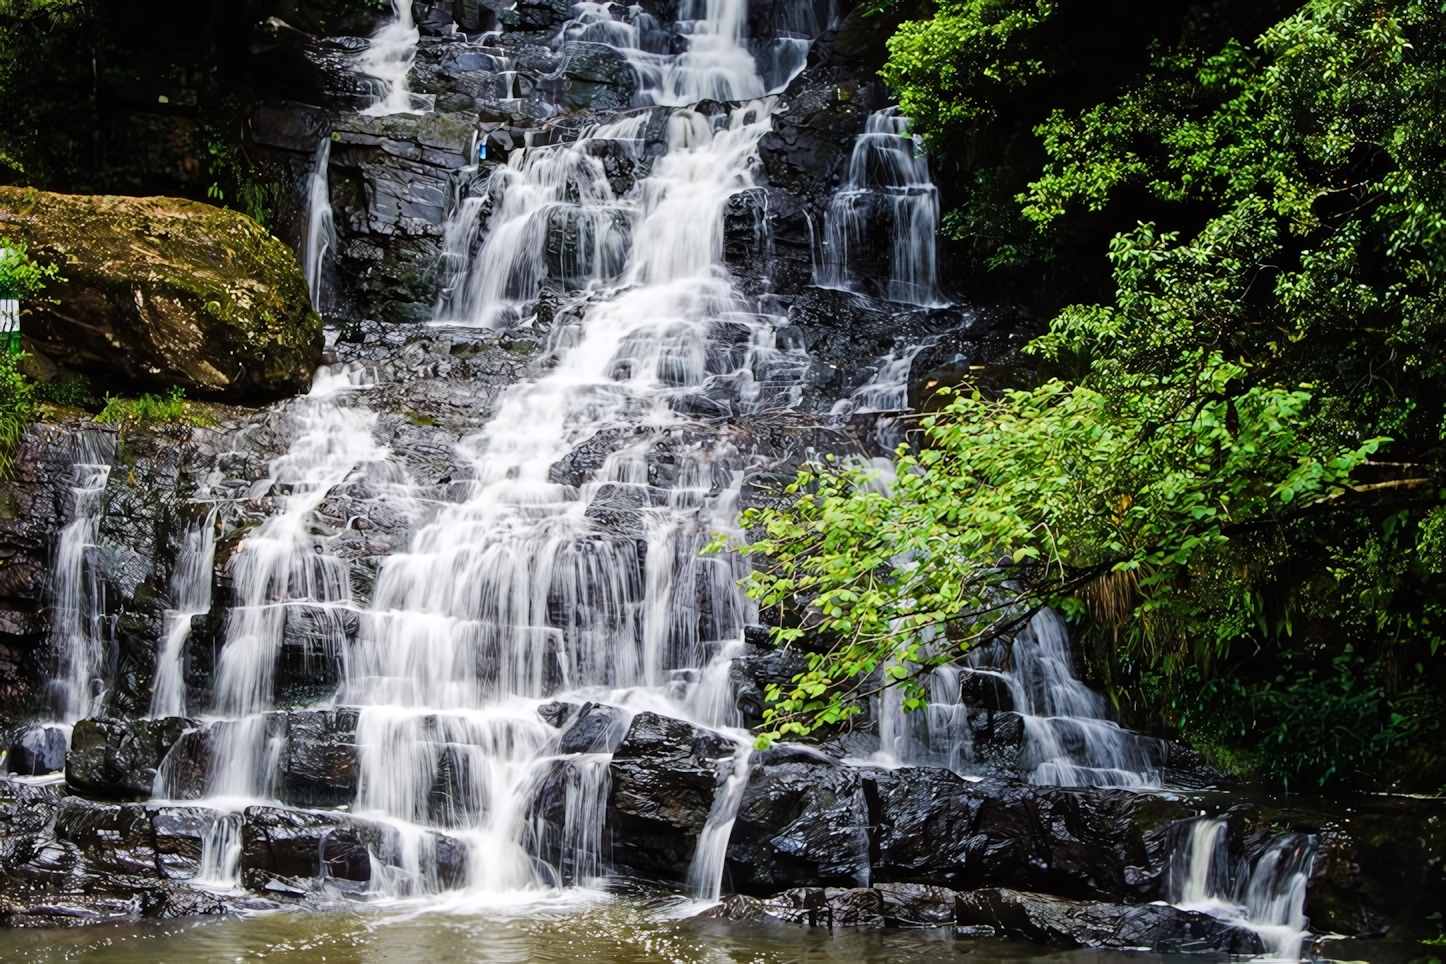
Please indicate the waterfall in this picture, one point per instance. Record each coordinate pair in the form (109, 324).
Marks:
(283, 562)
(320, 239)
(717, 62)
(527, 584)
(539, 194)
(1068, 738)
(887, 194)
(1071, 742)
(1265, 895)
(705, 872)
(388, 61)
(221, 854)
(77, 633)
(190, 597)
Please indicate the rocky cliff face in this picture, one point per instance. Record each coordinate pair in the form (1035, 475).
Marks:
(100, 525)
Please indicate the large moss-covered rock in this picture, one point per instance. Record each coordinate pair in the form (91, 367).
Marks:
(161, 292)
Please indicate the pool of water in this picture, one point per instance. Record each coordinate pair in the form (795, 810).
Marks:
(569, 930)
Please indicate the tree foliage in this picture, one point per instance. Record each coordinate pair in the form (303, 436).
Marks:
(1234, 481)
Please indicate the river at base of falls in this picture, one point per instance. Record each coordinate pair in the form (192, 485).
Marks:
(580, 928)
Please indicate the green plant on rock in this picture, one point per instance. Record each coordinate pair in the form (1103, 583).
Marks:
(20, 276)
(72, 390)
(146, 409)
(17, 409)
(235, 182)
(1235, 481)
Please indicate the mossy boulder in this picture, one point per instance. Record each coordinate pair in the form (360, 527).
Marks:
(161, 291)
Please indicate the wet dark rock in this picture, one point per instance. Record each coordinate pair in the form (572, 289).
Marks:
(799, 905)
(803, 820)
(985, 350)
(319, 765)
(1052, 920)
(855, 906)
(186, 768)
(598, 728)
(737, 908)
(751, 674)
(120, 759)
(923, 821)
(932, 826)
(69, 910)
(38, 750)
(997, 740)
(161, 292)
(665, 774)
(180, 835)
(296, 844)
(115, 842)
(599, 76)
(916, 905)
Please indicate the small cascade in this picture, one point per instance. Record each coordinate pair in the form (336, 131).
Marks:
(320, 239)
(190, 597)
(719, 62)
(1068, 738)
(883, 220)
(283, 561)
(77, 634)
(388, 62)
(1265, 894)
(705, 872)
(536, 196)
(1071, 742)
(221, 854)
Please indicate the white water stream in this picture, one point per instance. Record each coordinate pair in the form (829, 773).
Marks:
(77, 634)
(1265, 895)
(319, 241)
(388, 62)
(190, 597)
(520, 587)
(888, 193)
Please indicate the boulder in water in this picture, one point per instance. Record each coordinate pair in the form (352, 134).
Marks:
(161, 292)
(802, 821)
(1052, 920)
(665, 774)
(294, 844)
(39, 750)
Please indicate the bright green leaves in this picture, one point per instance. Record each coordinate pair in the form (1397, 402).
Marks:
(942, 67)
(20, 276)
(1065, 482)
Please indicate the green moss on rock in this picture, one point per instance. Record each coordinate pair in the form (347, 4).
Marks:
(163, 291)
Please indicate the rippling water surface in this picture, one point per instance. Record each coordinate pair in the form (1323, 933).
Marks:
(566, 933)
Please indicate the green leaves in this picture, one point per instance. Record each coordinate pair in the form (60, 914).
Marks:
(21, 277)
(1065, 482)
(1210, 475)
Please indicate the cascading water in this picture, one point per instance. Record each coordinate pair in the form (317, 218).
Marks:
(77, 635)
(320, 239)
(190, 597)
(517, 590)
(1069, 740)
(1265, 894)
(388, 62)
(888, 194)
(718, 62)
